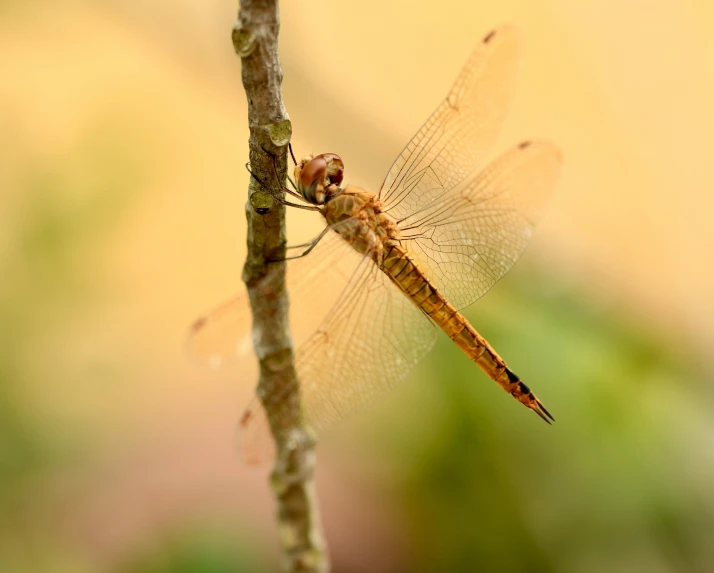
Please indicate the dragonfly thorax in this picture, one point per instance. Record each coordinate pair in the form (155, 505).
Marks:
(356, 215)
(319, 178)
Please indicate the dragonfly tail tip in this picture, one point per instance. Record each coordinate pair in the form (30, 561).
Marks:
(542, 411)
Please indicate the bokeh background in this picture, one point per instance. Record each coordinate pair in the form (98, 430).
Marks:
(123, 137)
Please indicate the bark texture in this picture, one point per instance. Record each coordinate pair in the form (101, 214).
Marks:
(255, 39)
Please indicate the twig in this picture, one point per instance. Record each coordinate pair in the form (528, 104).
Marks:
(255, 39)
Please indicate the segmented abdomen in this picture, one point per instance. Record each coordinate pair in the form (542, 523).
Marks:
(405, 273)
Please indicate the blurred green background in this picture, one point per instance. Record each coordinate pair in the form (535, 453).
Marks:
(122, 142)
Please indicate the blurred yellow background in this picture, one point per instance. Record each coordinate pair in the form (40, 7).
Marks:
(122, 188)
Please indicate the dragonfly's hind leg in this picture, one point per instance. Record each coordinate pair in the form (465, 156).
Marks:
(310, 246)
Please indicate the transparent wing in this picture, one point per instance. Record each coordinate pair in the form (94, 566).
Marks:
(471, 235)
(369, 340)
(224, 334)
(367, 344)
(456, 138)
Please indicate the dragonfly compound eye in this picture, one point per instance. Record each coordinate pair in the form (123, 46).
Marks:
(335, 168)
(314, 175)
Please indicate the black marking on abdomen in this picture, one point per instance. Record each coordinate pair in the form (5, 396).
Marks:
(514, 379)
(512, 376)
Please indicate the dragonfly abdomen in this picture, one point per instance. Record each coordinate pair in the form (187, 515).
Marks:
(415, 284)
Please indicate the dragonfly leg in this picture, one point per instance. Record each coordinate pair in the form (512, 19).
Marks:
(294, 193)
(292, 155)
(310, 246)
(276, 197)
(292, 183)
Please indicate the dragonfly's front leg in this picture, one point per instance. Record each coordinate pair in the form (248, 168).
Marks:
(276, 197)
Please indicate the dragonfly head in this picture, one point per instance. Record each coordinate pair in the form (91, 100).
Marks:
(318, 178)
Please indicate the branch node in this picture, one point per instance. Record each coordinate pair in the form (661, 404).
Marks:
(280, 132)
(244, 41)
(261, 201)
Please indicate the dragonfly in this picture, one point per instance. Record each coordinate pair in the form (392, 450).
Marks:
(396, 266)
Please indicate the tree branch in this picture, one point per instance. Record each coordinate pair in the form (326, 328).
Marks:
(255, 39)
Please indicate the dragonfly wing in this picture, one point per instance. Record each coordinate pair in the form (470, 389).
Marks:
(467, 228)
(454, 141)
(253, 438)
(224, 334)
(367, 344)
(471, 236)
(370, 342)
